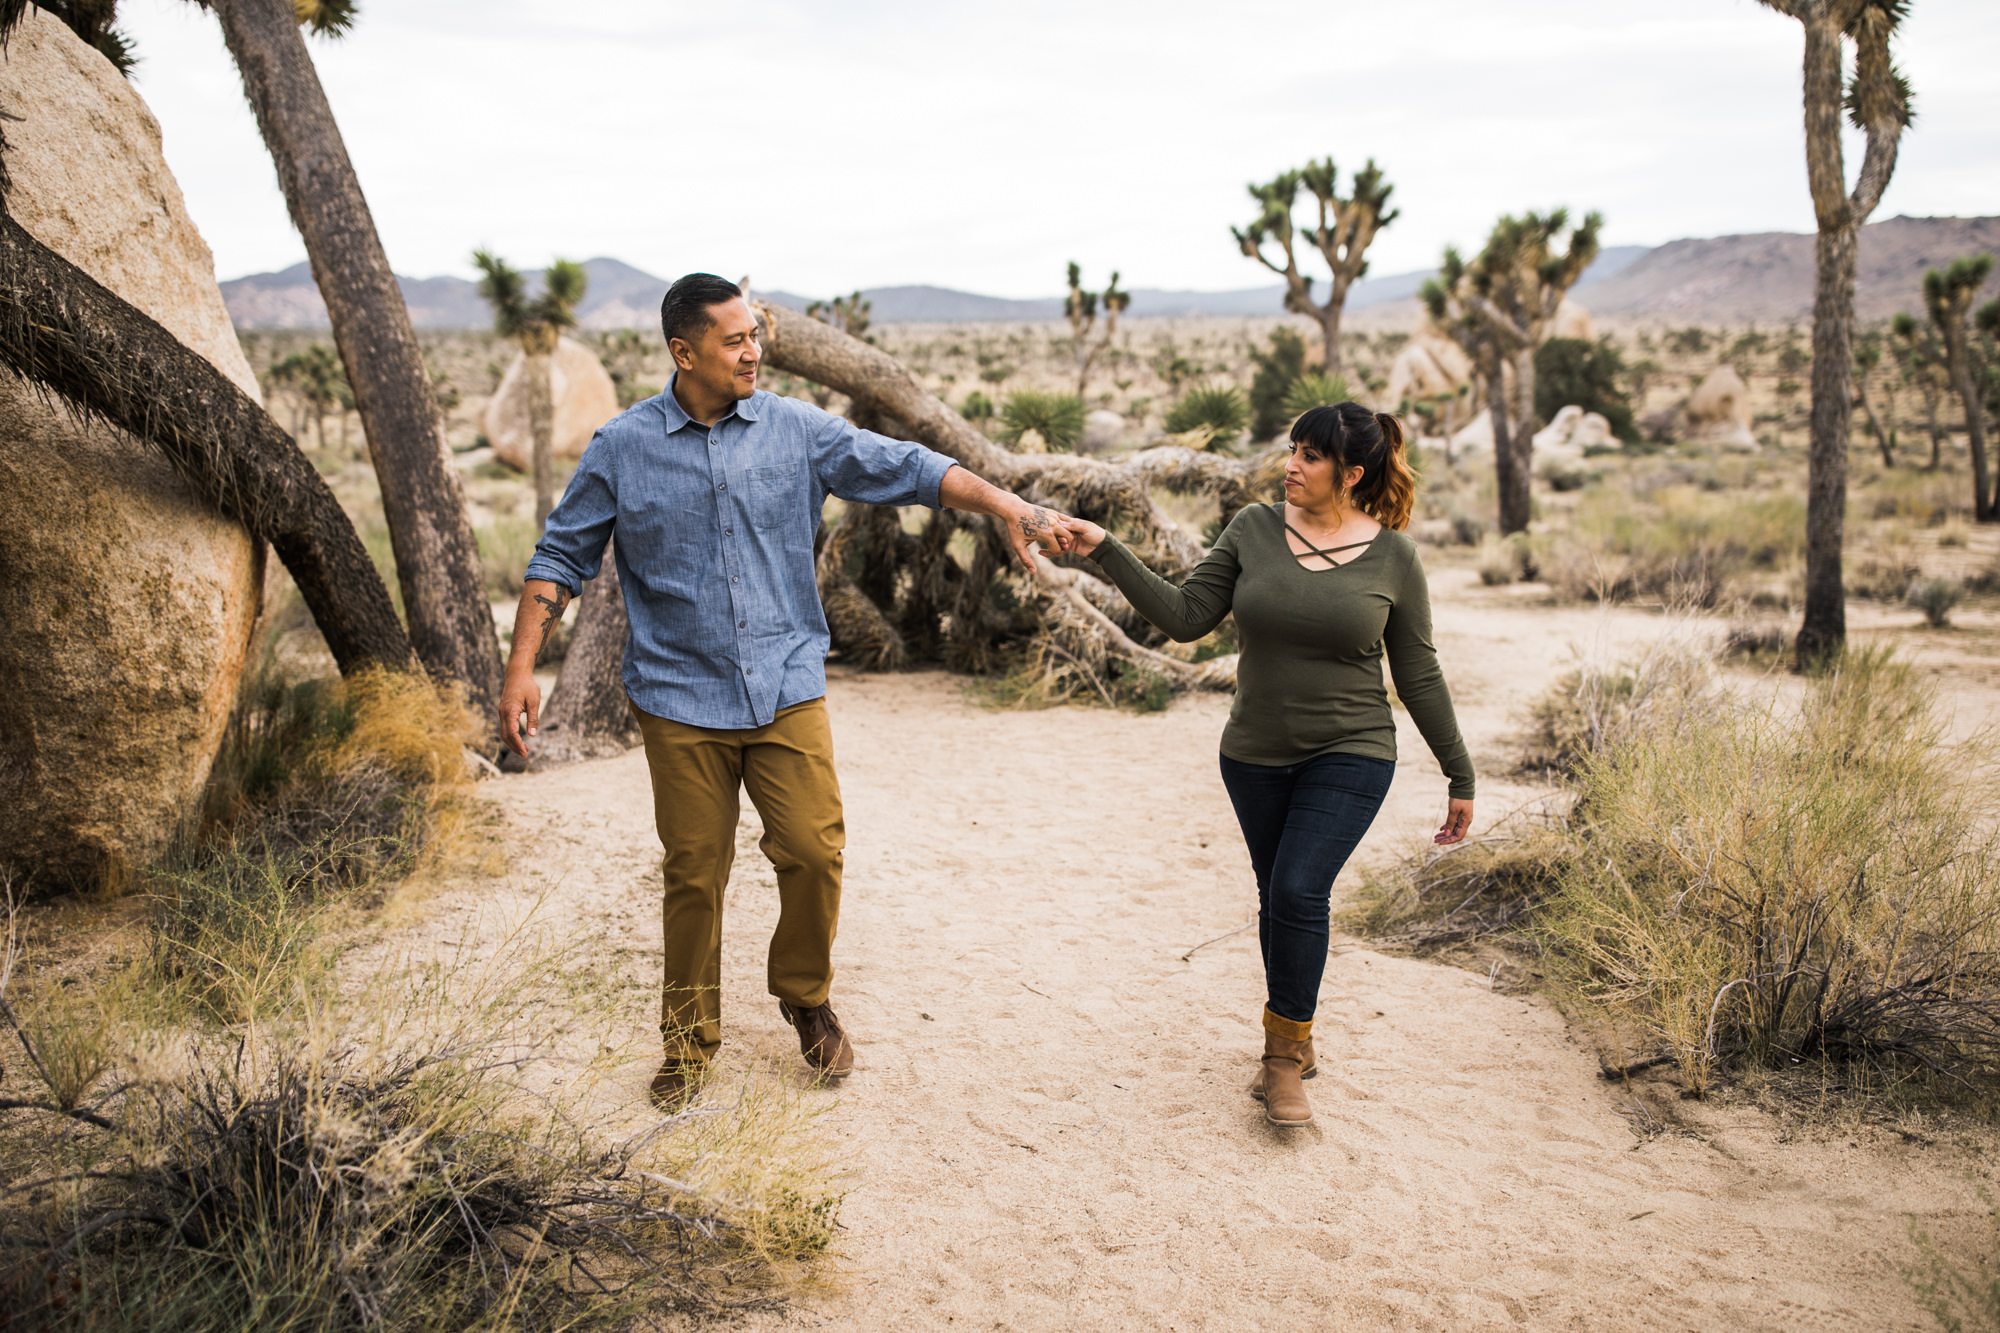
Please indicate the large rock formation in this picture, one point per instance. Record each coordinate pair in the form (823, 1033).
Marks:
(1572, 432)
(1429, 366)
(130, 604)
(585, 399)
(1718, 412)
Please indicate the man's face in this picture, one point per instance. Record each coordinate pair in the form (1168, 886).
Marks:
(724, 357)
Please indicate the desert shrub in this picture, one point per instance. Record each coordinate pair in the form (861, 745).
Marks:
(1279, 367)
(1755, 638)
(1774, 884)
(385, 1163)
(1576, 371)
(1935, 598)
(1883, 575)
(1563, 475)
(1056, 417)
(1221, 408)
(1593, 708)
(1316, 390)
(976, 407)
(1682, 544)
(1508, 560)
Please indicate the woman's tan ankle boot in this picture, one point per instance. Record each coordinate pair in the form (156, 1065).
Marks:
(1287, 1048)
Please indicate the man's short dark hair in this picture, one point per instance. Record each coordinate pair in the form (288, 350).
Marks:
(684, 314)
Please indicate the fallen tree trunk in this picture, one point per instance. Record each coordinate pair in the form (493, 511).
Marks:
(74, 338)
(895, 598)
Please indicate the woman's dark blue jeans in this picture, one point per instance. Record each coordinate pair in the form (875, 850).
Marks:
(1301, 822)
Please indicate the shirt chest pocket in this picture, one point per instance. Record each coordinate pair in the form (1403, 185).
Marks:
(774, 495)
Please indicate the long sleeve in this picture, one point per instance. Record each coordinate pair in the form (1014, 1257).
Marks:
(578, 528)
(862, 466)
(1182, 613)
(1413, 664)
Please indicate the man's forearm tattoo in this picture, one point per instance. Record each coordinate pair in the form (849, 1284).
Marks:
(555, 605)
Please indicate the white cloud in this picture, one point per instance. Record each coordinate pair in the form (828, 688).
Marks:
(820, 147)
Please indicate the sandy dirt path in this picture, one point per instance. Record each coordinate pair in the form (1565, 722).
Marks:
(1048, 1129)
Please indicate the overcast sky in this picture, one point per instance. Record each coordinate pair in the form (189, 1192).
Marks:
(977, 145)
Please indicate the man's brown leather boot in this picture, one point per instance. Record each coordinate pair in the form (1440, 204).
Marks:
(821, 1040)
(676, 1082)
(1288, 1054)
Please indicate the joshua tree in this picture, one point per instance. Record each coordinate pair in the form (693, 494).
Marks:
(1877, 100)
(1080, 309)
(1948, 296)
(1346, 228)
(1921, 361)
(1500, 308)
(537, 325)
(437, 559)
(1868, 356)
(849, 314)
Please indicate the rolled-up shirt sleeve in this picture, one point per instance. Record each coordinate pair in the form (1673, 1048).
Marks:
(862, 466)
(579, 527)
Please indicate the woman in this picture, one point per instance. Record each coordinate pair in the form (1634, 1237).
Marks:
(1322, 586)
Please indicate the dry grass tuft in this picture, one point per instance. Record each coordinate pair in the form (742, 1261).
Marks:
(420, 1153)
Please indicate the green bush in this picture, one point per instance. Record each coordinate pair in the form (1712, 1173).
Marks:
(1221, 408)
(976, 407)
(1314, 390)
(1056, 417)
(1576, 371)
(1935, 598)
(1278, 370)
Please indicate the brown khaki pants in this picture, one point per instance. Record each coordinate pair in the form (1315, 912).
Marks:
(787, 767)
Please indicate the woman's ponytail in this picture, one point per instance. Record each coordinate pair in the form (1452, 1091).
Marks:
(1387, 491)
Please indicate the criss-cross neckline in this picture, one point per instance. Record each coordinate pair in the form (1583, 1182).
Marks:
(1326, 553)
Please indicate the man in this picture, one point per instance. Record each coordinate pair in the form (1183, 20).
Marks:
(714, 491)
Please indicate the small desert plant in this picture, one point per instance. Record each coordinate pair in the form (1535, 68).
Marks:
(1935, 597)
(1315, 390)
(1593, 708)
(1221, 408)
(1056, 417)
(1509, 560)
(1755, 638)
(976, 407)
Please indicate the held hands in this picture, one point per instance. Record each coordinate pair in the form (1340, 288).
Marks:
(1030, 526)
(1457, 821)
(1084, 536)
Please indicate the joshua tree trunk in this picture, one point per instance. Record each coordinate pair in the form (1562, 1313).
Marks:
(588, 716)
(1510, 466)
(1983, 504)
(542, 430)
(437, 559)
(1931, 423)
(62, 329)
(1329, 332)
(1882, 110)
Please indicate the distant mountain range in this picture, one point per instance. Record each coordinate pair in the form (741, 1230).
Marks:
(1729, 279)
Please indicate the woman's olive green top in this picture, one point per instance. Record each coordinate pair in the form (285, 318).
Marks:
(1310, 679)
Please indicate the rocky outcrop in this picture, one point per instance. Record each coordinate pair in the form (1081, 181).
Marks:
(1571, 433)
(1428, 366)
(131, 604)
(1718, 412)
(584, 395)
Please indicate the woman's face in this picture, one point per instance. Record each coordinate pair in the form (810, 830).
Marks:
(1310, 482)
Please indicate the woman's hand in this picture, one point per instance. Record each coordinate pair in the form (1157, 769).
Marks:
(1084, 536)
(1457, 821)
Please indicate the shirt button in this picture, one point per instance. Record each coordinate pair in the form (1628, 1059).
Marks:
(743, 624)
(723, 487)
(746, 671)
(732, 578)
(729, 532)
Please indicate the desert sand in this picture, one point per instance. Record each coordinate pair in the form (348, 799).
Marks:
(1048, 1128)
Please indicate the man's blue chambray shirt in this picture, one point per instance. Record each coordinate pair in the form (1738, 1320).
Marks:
(715, 528)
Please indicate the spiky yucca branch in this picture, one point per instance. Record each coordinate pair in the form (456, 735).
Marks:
(104, 358)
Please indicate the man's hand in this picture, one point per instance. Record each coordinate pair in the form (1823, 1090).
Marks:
(1028, 526)
(519, 696)
(1457, 822)
(1031, 526)
(541, 609)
